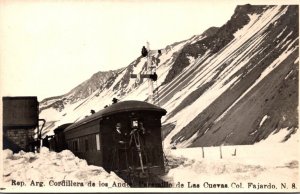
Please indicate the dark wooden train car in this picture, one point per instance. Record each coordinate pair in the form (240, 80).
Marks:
(125, 136)
(58, 142)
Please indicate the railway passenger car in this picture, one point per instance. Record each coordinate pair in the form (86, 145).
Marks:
(124, 137)
(58, 142)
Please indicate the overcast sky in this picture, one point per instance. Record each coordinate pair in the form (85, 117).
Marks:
(49, 47)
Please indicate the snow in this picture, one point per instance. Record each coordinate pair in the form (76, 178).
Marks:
(50, 112)
(241, 32)
(176, 83)
(187, 114)
(263, 120)
(281, 32)
(119, 77)
(75, 111)
(190, 140)
(166, 61)
(51, 167)
(297, 60)
(268, 70)
(254, 132)
(258, 24)
(196, 38)
(193, 84)
(212, 93)
(283, 43)
(201, 70)
(268, 161)
(235, 55)
(191, 59)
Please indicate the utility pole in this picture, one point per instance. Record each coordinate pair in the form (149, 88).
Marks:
(149, 71)
(150, 74)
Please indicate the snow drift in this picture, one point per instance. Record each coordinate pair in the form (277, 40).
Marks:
(264, 166)
(53, 169)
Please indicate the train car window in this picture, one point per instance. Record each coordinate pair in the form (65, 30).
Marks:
(98, 141)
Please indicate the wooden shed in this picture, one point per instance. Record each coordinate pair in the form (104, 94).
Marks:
(110, 138)
(20, 118)
(20, 112)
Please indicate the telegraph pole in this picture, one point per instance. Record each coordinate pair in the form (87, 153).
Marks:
(149, 71)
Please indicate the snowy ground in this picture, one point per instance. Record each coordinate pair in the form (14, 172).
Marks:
(269, 163)
(242, 168)
(51, 169)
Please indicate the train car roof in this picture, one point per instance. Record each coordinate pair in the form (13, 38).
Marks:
(61, 127)
(120, 107)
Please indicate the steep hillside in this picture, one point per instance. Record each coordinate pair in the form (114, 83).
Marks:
(102, 87)
(228, 92)
(234, 84)
(82, 91)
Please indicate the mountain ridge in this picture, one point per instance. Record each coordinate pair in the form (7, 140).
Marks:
(207, 81)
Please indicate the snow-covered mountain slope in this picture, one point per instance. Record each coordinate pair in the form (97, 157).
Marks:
(102, 87)
(226, 94)
(230, 85)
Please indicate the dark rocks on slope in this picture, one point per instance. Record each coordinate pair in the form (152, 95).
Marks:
(197, 93)
(231, 130)
(82, 91)
(275, 97)
(210, 32)
(124, 81)
(216, 39)
(91, 85)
